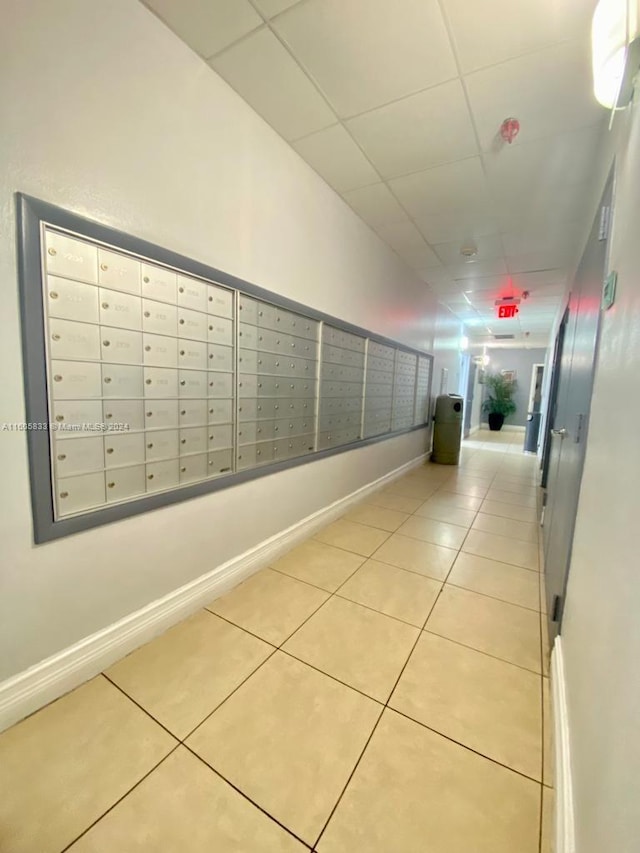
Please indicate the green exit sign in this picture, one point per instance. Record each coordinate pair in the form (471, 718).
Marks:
(609, 290)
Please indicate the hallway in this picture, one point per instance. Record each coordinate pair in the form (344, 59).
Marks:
(382, 687)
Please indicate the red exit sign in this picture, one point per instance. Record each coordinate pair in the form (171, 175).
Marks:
(506, 311)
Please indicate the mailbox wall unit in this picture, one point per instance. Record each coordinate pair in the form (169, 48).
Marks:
(151, 378)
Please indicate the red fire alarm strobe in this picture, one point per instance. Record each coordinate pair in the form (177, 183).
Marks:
(507, 311)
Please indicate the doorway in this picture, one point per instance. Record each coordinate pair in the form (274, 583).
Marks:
(570, 402)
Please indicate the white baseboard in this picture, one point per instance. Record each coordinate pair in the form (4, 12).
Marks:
(30, 690)
(473, 430)
(564, 819)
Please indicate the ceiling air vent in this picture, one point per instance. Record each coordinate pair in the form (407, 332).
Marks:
(504, 337)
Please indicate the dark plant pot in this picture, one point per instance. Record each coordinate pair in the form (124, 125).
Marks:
(495, 421)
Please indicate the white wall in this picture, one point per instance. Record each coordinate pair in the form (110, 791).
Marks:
(601, 628)
(106, 113)
(448, 332)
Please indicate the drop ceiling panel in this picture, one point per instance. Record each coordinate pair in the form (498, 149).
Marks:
(366, 53)
(550, 242)
(261, 70)
(205, 26)
(496, 266)
(269, 8)
(546, 90)
(337, 158)
(376, 204)
(457, 226)
(488, 248)
(409, 243)
(541, 260)
(492, 31)
(455, 186)
(417, 132)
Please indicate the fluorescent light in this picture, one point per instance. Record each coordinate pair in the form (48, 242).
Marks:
(614, 27)
(464, 342)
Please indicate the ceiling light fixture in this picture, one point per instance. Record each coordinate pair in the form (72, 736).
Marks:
(469, 253)
(615, 46)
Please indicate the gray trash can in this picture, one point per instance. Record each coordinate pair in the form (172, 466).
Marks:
(531, 431)
(447, 431)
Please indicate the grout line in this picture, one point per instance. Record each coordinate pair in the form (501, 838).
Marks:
(245, 796)
(493, 597)
(428, 630)
(141, 707)
(120, 799)
(466, 746)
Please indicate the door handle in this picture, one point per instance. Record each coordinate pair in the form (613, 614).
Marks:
(561, 432)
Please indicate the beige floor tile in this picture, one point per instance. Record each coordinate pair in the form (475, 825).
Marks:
(503, 549)
(436, 532)
(398, 502)
(506, 510)
(396, 592)
(495, 627)
(486, 704)
(319, 564)
(183, 805)
(547, 745)
(358, 646)
(547, 844)
(66, 765)
(412, 489)
(444, 799)
(377, 516)
(451, 499)
(357, 538)
(184, 674)
(416, 556)
(462, 487)
(289, 739)
(270, 605)
(499, 580)
(511, 484)
(444, 512)
(526, 531)
(511, 498)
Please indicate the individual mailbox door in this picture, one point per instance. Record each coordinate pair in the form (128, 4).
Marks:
(121, 380)
(160, 350)
(68, 339)
(123, 449)
(70, 257)
(75, 379)
(161, 414)
(219, 411)
(161, 444)
(248, 309)
(76, 494)
(248, 361)
(193, 468)
(192, 324)
(125, 483)
(159, 283)
(162, 475)
(219, 462)
(220, 357)
(248, 336)
(193, 413)
(247, 432)
(159, 318)
(121, 345)
(121, 310)
(78, 455)
(192, 383)
(72, 300)
(160, 382)
(220, 384)
(219, 301)
(118, 272)
(219, 437)
(77, 415)
(193, 440)
(192, 354)
(129, 413)
(220, 331)
(192, 293)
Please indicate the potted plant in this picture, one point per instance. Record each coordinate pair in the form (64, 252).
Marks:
(499, 402)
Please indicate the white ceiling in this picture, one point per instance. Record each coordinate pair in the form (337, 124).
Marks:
(397, 105)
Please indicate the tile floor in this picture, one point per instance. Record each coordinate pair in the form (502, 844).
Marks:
(382, 688)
